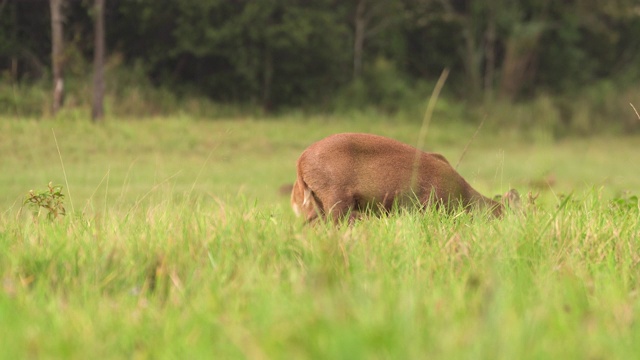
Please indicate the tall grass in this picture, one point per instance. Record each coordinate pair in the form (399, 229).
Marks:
(205, 278)
(182, 247)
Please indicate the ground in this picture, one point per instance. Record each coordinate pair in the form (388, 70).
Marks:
(177, 243)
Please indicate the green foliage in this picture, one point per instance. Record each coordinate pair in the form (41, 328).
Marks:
(296, 53)
(545, 69)
(601, 108)
(52, 200)
(383, 87)
(627, 203)
(29, 100)
(269, 53)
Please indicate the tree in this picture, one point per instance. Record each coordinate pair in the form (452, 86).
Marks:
(97, 110)
(303, 53)
(10, 41)
(270, 53)
(371, 18)
(497, 40)
(57, 53)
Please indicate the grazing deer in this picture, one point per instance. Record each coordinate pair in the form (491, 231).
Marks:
(346, 174)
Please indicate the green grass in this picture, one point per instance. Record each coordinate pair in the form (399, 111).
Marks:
(180, 246)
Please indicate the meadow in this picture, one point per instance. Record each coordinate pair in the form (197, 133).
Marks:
(178, 243)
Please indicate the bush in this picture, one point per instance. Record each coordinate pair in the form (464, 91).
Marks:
(24, 100)
(600, 108)
(382, 87)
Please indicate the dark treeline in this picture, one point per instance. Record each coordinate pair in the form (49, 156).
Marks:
(274, 53)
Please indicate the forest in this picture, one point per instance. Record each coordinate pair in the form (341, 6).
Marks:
(576, 63)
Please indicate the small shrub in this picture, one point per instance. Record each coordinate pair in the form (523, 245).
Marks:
(382, 87)
(625, 203)
(51, 199)
(24, 100)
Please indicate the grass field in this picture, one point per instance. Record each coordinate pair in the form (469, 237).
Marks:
(178, 244)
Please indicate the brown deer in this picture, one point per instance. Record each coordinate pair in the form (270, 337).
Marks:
(346, 174)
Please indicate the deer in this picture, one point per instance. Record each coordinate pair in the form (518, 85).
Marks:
(347, 174)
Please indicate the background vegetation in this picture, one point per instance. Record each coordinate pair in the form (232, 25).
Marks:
(564, 66)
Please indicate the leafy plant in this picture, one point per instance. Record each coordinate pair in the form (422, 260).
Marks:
(51, 199)
(625, 203)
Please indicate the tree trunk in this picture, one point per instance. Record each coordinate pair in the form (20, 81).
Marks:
(14, 41)
(520, 54)
(469, 51)
(267, 79)
(490, 57)
(57, 53)
(97, 110)
(360, 27)
(471, 61)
